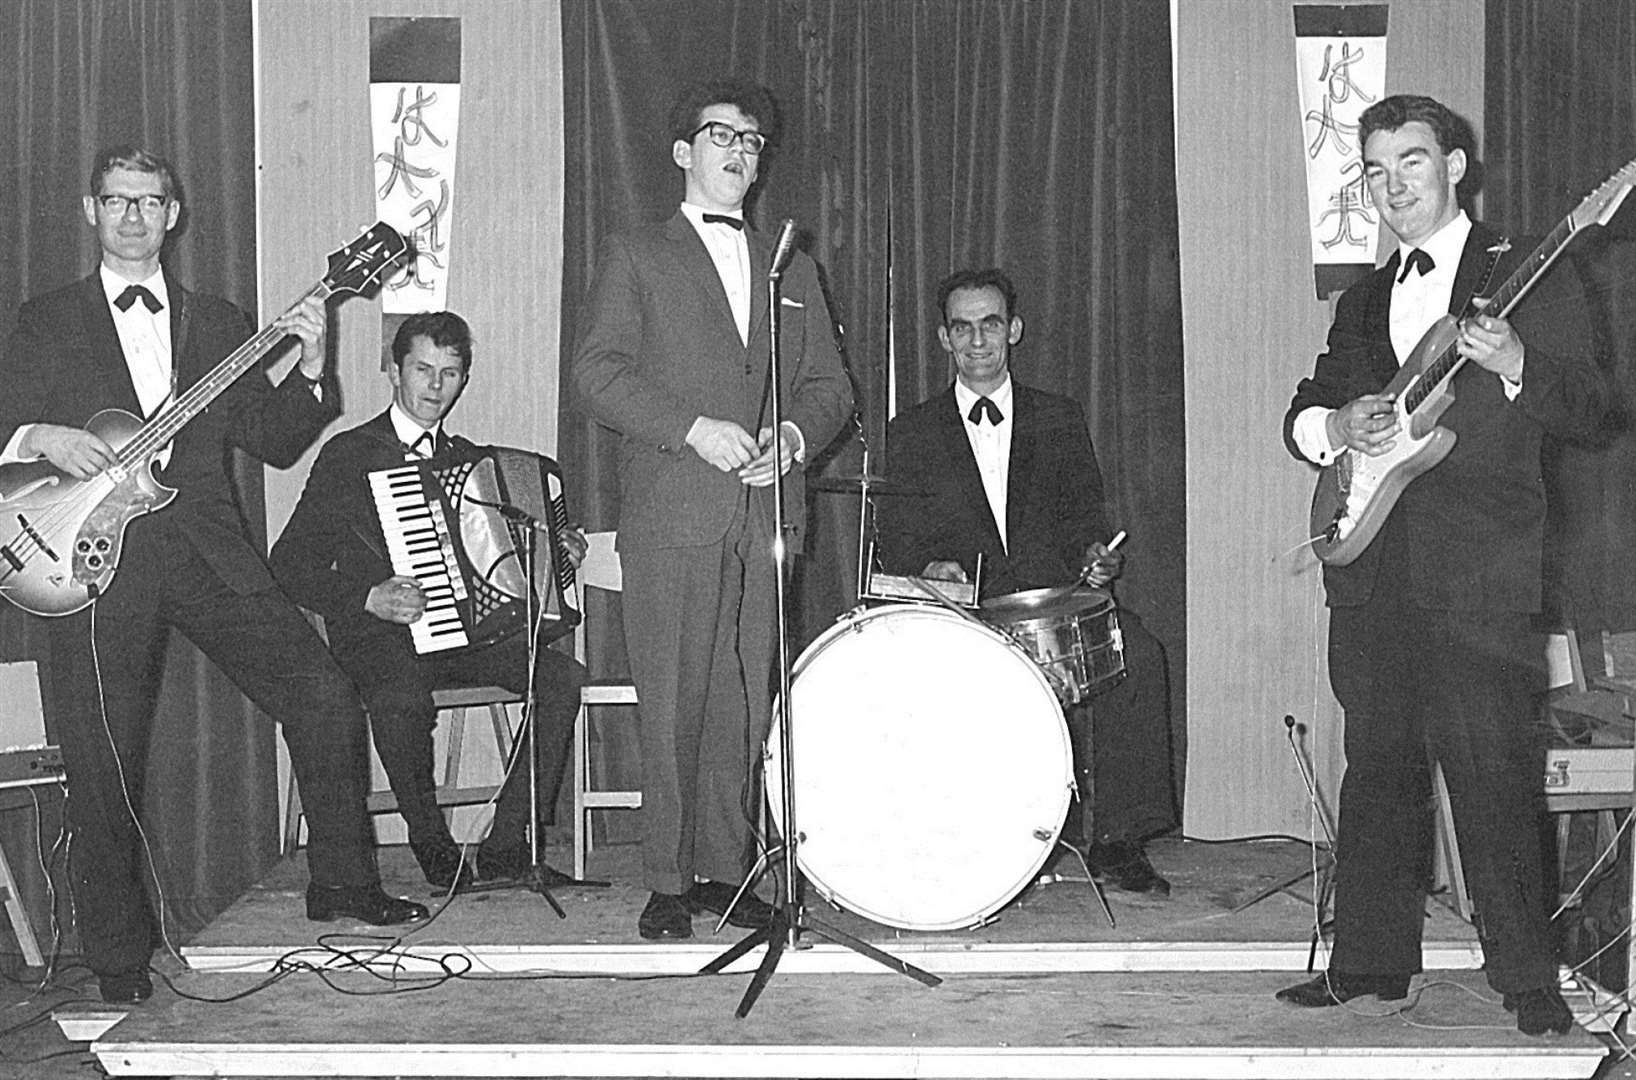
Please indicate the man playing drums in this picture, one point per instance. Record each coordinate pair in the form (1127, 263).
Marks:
(1008, 471)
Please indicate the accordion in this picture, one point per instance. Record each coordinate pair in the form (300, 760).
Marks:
(482, 535)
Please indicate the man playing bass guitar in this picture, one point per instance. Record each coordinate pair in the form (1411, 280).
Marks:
(132, 337)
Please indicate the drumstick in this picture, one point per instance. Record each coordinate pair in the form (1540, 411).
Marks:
(1118, 538)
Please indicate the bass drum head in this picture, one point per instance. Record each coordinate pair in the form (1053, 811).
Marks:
(932, 767)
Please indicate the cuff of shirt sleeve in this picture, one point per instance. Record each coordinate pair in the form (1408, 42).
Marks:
(800, 440)
(1311, 433)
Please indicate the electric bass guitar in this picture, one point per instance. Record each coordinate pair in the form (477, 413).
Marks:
(60, 538)
(1356, 493)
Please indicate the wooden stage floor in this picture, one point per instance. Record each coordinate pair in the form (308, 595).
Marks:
(497, 985)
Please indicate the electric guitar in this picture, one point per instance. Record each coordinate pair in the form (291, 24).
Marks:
(60, 538)
(1356, 493)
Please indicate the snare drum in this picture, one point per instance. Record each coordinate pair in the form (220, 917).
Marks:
(932, 767)
(1074, 636)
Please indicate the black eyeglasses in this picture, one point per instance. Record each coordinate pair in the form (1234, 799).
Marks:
(119, 205)
(722, 135)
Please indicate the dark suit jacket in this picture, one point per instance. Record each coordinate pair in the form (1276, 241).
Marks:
(1468, 534)
(64, 364)
(333, 552)
(657, 348)
(1053, 494)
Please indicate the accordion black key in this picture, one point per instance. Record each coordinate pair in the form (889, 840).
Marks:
(466, 527)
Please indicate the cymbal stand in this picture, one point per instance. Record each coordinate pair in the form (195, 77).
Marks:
(788, 918)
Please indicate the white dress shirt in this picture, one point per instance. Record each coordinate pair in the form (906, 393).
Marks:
(409, 431)
(145, 338)
(990, 445)
(730, 251)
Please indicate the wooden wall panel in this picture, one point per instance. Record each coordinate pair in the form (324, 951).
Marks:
(316, 193)
(1256, 621)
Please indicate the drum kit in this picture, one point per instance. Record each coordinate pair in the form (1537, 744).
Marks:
(935, 766)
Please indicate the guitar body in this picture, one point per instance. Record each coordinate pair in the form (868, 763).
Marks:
(1357, 491)
(60, 538)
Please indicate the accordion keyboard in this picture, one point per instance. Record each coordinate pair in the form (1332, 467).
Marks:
(418, 545)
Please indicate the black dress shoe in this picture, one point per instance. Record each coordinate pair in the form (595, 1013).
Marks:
(1336, 987)
(1124, 865)
(366, 903)
(1540, 1010)
(126, 987)
(665, 917)
(751, 912)
(440, 861)
(514, 862)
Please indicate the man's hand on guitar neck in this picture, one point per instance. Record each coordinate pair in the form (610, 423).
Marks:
(1367, 424)
(306, 321)
(1491, 343)
(75, 451)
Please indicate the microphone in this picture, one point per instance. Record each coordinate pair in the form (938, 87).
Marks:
(783, 248)
(518, 516)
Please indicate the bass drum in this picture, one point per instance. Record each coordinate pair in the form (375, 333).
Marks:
(932, 767)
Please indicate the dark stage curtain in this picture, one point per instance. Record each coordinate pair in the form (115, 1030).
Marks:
(920, 137)
(175, 76)
(1561, 117)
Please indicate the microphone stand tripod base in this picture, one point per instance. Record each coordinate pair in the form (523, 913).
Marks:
(786, 923)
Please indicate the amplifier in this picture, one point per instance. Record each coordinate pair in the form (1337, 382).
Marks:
(40, 765)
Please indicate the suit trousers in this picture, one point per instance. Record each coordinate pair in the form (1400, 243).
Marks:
(1460, 688)
(700, 630)
(397, 686)
(1121, 746)
(104, 714)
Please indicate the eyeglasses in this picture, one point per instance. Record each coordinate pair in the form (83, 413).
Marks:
(992, 326)
(120, 205)
(722, 135)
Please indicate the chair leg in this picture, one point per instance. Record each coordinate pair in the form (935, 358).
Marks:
(581, 824)
(292, 816)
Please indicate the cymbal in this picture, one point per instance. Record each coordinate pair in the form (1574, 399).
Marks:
(880, 485)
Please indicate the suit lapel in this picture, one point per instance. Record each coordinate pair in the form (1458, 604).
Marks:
(697, 264)
(952, 433)
(1474, 262)
(181, 321)
(761, 256)
(1023, 450)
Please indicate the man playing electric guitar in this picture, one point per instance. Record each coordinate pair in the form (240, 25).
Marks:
(131, 337)
(1429, 643)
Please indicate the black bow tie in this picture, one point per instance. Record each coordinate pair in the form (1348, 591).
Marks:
(1416, 260)
(132, 294)
(984, 407)
(736, 224)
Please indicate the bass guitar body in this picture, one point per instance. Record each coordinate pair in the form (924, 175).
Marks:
(60, 538)
(1356, 492)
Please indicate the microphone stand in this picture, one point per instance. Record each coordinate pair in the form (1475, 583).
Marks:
(529, 735)
(1323, 875)
(789, 919)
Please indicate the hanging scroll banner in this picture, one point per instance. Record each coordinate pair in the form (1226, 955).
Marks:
(1340, 54)
(414, 114)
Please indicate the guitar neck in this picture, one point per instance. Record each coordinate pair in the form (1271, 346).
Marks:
(1505, 298)
(169, 422)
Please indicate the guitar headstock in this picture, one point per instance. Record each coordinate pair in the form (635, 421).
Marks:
(1600, 205)
(356, 266)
